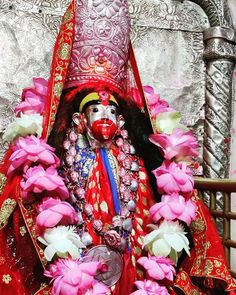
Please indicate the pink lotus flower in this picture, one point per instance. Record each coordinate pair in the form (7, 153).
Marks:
(158, 268)
(31, 149)
(148, 287)
(71, 277)
(174, 207)
(38, 180)
(156, 105)
(33, 98)
(98, 288)
(54, 211)
(174, 177)
(180, 144)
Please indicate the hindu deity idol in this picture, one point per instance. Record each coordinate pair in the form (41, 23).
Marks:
(99, 195)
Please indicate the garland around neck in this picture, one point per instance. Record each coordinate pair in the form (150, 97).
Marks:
(64, 236)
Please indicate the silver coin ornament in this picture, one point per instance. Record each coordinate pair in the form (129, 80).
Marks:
(132, 150)
(134, 185)
(127, 224)
(135, 166)
(131, 205)
(112, 264)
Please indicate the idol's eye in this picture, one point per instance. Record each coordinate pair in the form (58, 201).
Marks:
(113, 111)
(95, 110)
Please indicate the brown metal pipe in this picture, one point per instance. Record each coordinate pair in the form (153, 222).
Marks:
(228, 215)
(230, 243)
(216, 185)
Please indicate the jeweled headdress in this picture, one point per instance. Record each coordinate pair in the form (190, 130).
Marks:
(100, 47)
(91, 51)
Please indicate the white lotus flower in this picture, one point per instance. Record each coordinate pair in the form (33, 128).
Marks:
(61, 240)
(166, 122)
(167, 239)
(24, 125)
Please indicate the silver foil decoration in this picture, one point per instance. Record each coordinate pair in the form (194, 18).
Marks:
(220, 56)
(28, 30)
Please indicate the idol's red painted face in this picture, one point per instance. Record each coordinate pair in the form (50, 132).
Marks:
(102, 120)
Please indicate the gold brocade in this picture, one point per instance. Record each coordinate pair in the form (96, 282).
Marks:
(60, 63)
(139, 227)
(137, 251)
(44, 290)
(183, 282)
(57, 89)
(143, 188)
(146, 212)
(133, 261)
(64, 51)
(140, 240)
(29, 216)
(7, 209)
(95, 206)
(104, 207)
(139, 221)
(6, 278)
(22, 231)
(68, 16)
(3, 180)
(198, 225)
(204, 265)
(144, 201)
(208, 267)
(114, 166)
(142, 175)
(92, 184)
(183, 276)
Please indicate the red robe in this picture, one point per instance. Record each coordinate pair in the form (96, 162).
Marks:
(21, 271)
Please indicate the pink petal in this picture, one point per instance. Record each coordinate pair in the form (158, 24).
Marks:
(89, 267)
(41, 85)
(148, 89)
(176, 207)
(139, 292)
(47, 219)
(64, 209)
(48, 203)
(34, 149)
(100, 288)
(156, 273)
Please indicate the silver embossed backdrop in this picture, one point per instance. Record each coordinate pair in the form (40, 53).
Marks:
(168, 38)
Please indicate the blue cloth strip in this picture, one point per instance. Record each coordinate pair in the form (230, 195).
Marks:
(115, 195)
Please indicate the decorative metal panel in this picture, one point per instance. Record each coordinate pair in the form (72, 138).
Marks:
(168, 42)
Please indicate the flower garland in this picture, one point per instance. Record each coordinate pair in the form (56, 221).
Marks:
(174, 178)
(79, 157)
(57, 219)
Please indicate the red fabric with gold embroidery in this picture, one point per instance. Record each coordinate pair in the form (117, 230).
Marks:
(59, 68)
(11, 189)
(207, 265)
(98, 194)
(21, 272)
